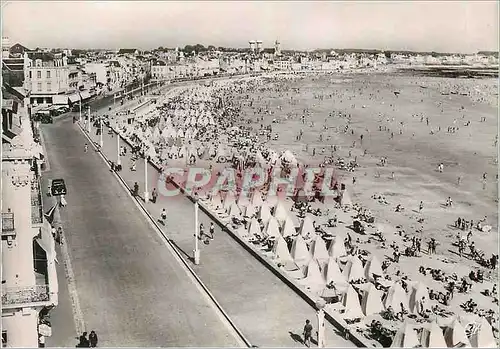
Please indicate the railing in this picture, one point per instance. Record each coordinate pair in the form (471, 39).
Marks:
(17, 296)
(7, 222)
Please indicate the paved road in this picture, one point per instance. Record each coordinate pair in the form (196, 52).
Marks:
(131, 289)
(266, 310)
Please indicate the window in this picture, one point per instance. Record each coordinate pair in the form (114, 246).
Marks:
(39, 87)
(48, 74)
(30, 74)
(49, 86)
(39, 74)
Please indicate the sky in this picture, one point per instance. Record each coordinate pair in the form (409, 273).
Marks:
(441, 26)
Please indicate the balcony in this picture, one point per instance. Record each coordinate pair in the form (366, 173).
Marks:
(36, 204)
(13, 297)
(8, 228)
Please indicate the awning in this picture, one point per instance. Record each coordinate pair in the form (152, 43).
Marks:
(74, 98)
(85, 95)
(60, 99)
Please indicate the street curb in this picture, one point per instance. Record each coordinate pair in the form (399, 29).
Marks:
(173, 249)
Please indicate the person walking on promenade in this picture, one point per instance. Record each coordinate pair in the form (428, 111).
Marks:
(86, 148)
(212, 230)
(93, 339)
(154, 196)
(135, 191)
(307, 333)
(84, 342)
(163, 216)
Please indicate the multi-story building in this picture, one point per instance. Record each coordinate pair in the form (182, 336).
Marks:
(5, 47)
(49, 78)
(29, 280)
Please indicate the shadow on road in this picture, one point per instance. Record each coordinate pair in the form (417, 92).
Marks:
(296, 337)
(181, 251)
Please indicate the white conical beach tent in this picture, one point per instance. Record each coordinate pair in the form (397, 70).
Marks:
(432, 337)
(483, 338)
(254, 227)
(354, 269)
(319, 252)
(216, 200)
(299, 252)
(243, 200)
(419, 297)
(281, 253)
(234, 210)
(333, 273)
(250, 211)
(346, 199)
(314, 277)
(351, 304)
(337, 248)
(265, 213)
(396, 296)
(306, 227)
(280, 212)
(372, 302)
(405, 337)
(373, 267)
(273, 228)
(288, 227)
(455, 335)
(229, 200)
(257, 199)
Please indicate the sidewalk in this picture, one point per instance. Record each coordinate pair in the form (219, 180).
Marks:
(267, 311)
(61, 317)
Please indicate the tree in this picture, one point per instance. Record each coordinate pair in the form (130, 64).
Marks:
(387, 54)
(211, 47)
(160, 48)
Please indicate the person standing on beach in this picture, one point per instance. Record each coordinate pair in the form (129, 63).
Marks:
(307, 333)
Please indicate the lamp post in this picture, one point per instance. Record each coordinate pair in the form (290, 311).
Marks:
(118, 160)
(80, 116)
(196, 232)
(89, 119)
(101, 142)
(146, 193)
(320, 305)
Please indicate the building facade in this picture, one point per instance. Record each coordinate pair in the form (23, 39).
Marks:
(29, 280)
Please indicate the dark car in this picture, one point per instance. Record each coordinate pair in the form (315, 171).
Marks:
(58, 187)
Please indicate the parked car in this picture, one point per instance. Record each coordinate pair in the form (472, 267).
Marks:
(58, 187)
